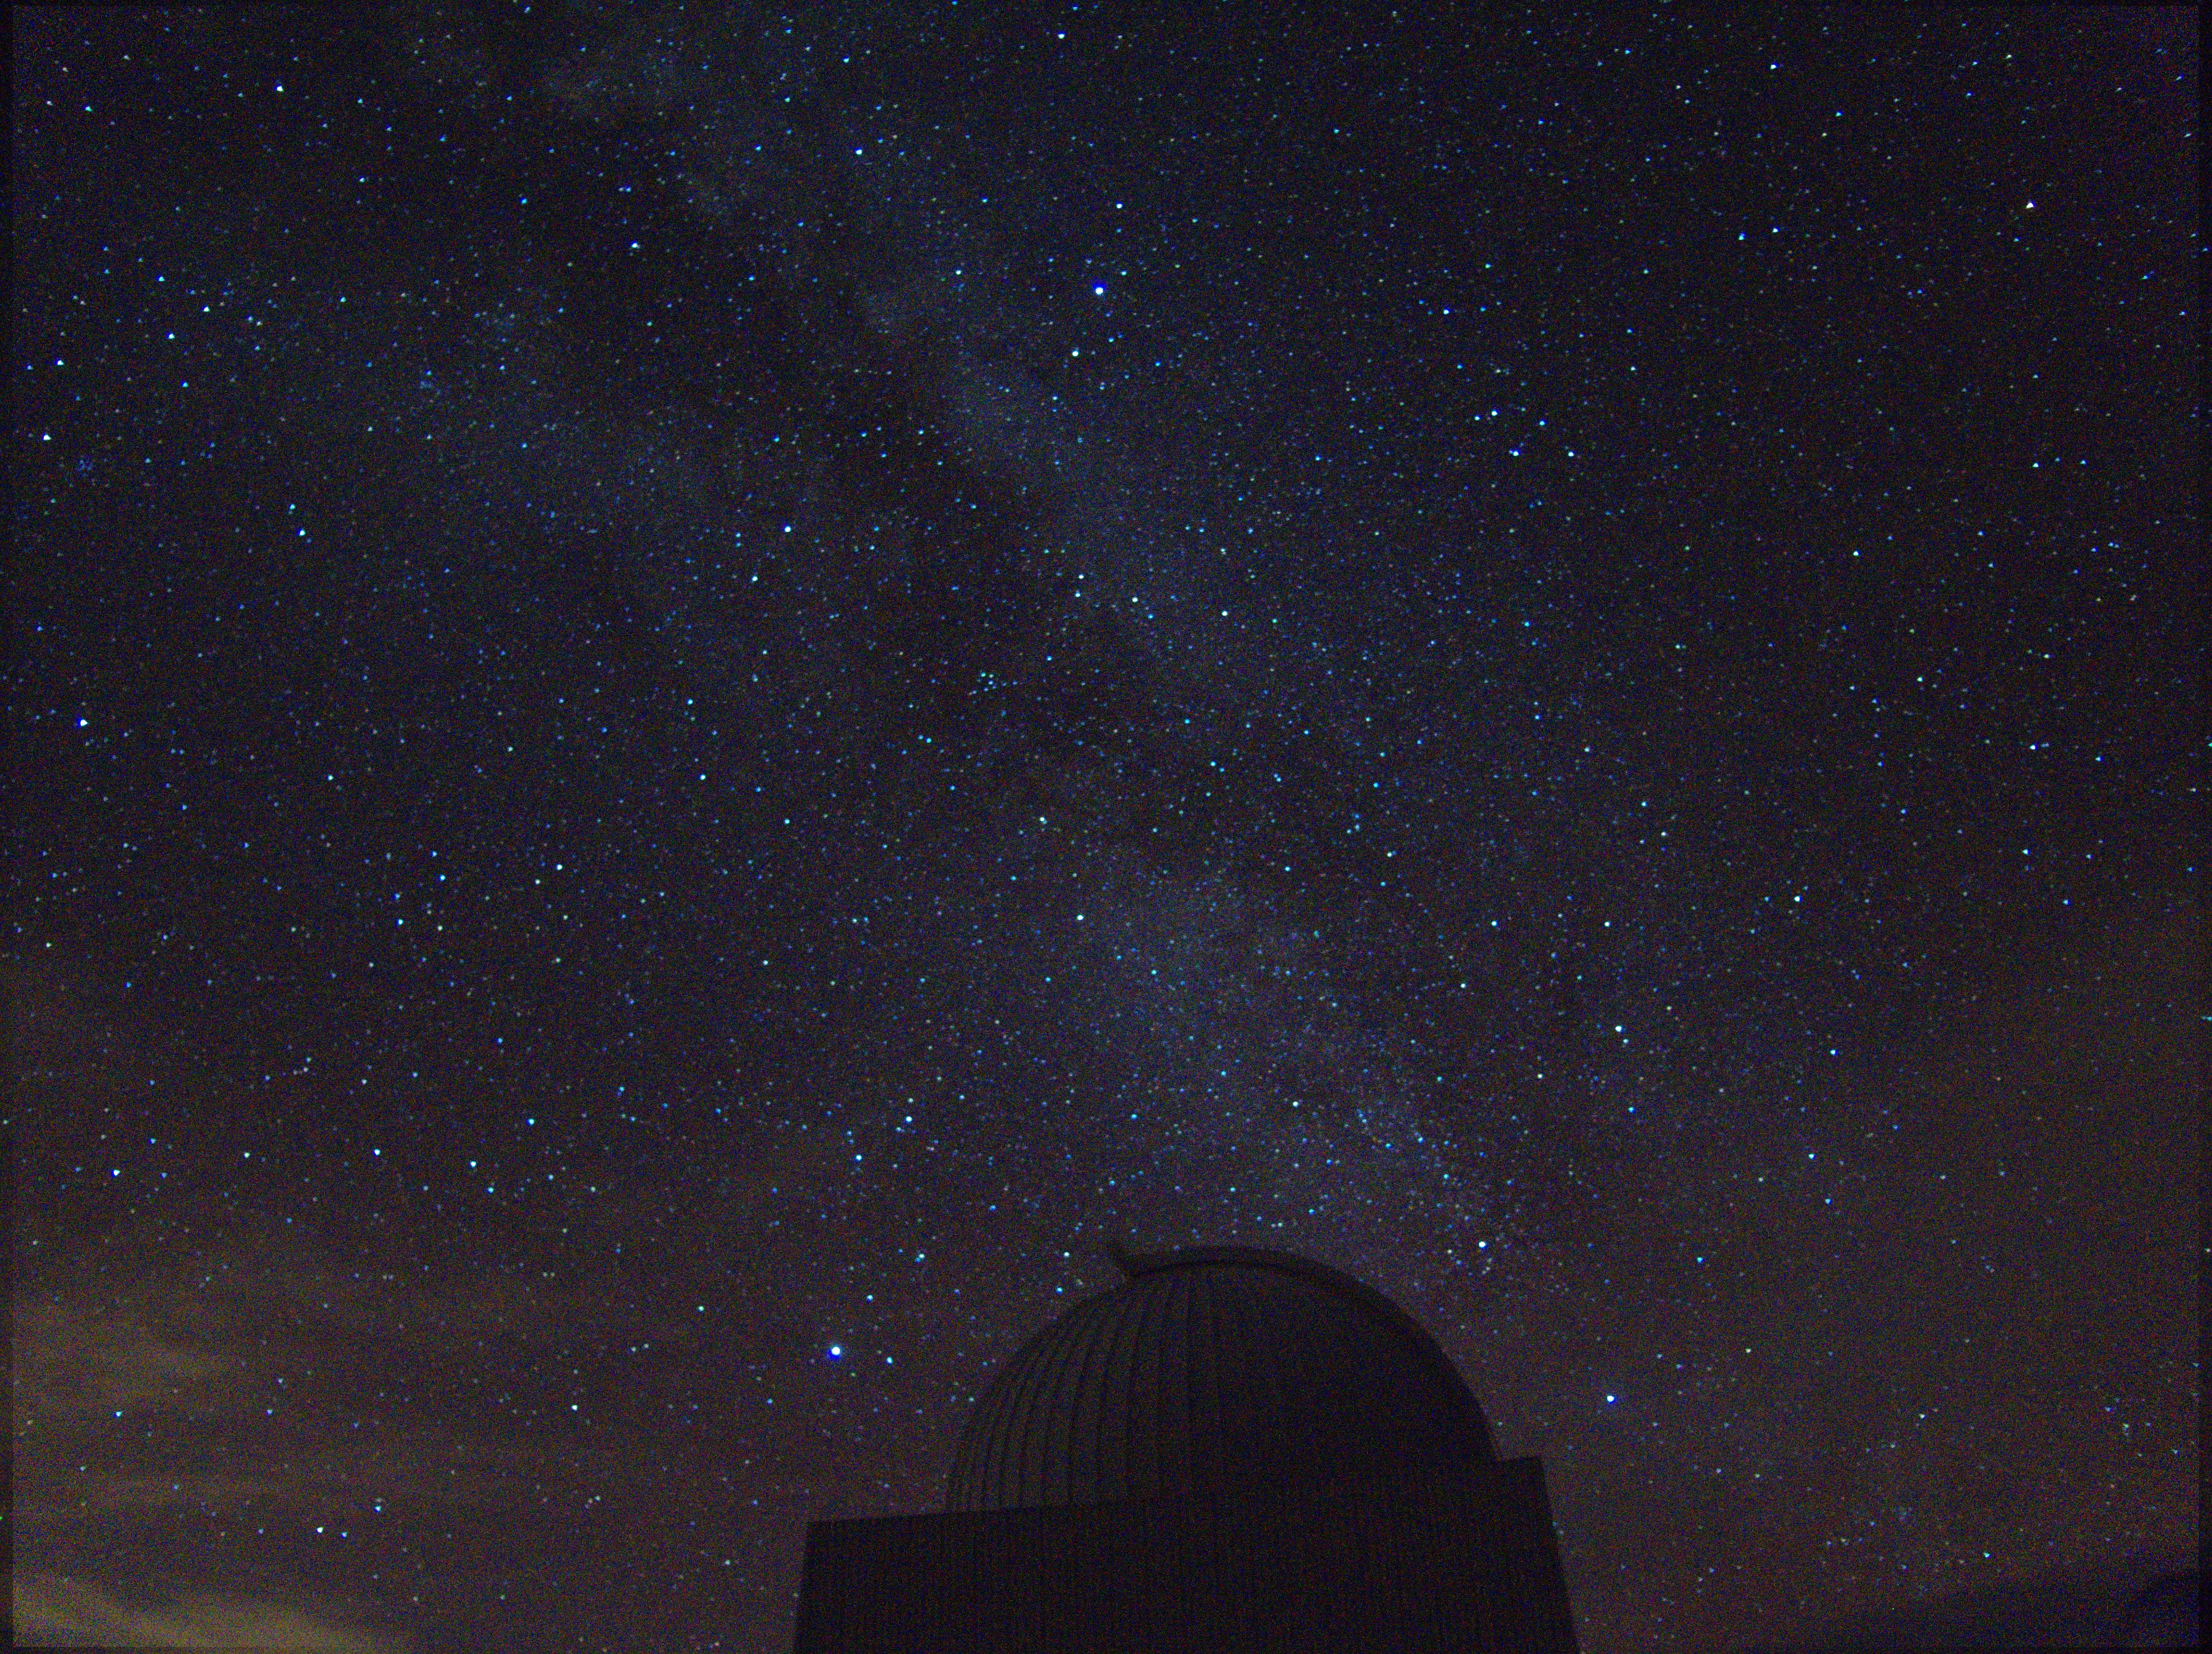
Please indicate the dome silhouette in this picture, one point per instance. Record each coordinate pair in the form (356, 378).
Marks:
(1216, 1368)
(1232, 1449)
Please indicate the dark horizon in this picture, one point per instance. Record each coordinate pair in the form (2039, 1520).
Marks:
(2155, 1599)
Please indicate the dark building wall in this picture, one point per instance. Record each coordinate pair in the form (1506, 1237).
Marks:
(1330, 1567)
(1532, 1543)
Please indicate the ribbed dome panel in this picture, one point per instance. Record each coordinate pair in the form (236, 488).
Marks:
(1217, 1368)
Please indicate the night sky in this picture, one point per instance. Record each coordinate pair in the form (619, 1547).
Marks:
(700, 690)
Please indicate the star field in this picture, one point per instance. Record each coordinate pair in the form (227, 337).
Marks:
(701, 691)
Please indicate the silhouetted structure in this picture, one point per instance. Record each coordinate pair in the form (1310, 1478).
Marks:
(1233, 1450)
(2167, 1613)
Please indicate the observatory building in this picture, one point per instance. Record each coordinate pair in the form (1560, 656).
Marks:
(1233, 1450)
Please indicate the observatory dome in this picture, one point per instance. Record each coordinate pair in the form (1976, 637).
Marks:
(1219, 1368)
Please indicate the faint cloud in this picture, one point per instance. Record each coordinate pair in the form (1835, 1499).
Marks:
(55, 1611)
(73, 1363)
